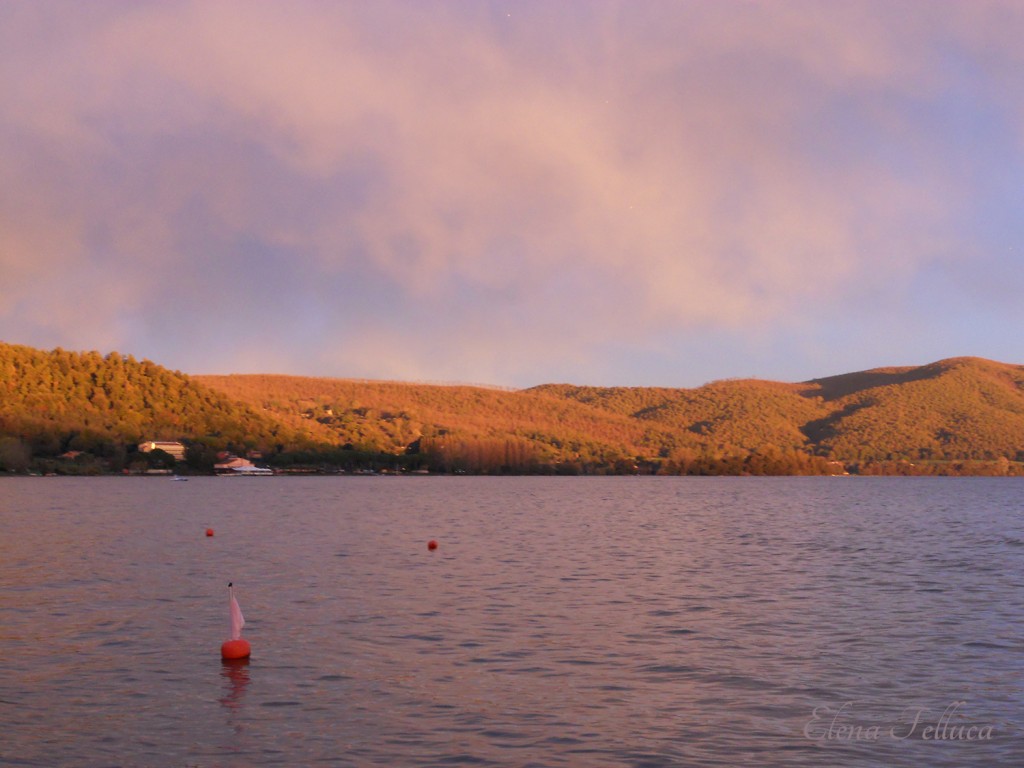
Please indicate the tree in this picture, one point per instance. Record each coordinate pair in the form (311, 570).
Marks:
(159, 459)
(15, 455)
(200, 457)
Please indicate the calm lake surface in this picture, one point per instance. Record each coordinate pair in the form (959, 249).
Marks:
(561, 622)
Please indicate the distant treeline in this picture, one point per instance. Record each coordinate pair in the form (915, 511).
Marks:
(71, 412)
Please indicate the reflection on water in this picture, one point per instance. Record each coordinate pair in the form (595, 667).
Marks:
(236, 679)
(561, 622)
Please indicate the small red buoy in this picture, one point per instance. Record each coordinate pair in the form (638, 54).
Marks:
(235, 649)
(209, 531)
(432, 545)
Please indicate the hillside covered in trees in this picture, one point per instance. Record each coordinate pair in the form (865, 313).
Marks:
(98, 408)
(957, 416)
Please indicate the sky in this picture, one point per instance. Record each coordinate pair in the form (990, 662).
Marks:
(634, 193)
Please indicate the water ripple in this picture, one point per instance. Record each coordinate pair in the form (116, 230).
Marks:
(563, 622)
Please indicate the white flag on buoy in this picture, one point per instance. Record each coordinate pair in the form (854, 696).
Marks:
(237, 620)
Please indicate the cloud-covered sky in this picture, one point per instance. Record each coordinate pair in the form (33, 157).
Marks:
(641, 192)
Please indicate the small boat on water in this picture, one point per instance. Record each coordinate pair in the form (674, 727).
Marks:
(180, 479)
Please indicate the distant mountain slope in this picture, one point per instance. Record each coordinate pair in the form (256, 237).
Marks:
(725, 416)
(956, 410)
(389, 416)
(961, 408)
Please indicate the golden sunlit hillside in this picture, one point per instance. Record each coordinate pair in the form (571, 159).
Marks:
(97, 408)
(914, 419)
(962, 408)
(454, 425)
(956, 416)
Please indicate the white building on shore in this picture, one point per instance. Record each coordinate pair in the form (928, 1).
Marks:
(175, 449)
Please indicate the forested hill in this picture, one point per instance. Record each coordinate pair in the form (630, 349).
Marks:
(953, 416)
(959, 409)
(962, 408)
(56, 402)
(957, 415)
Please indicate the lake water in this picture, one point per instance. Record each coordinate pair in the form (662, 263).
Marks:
(560, 622)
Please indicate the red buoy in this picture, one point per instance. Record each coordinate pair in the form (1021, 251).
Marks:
(209, 531)
(432, 545)
(235, 649)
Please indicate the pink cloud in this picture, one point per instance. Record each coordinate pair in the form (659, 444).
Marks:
(633, 167)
